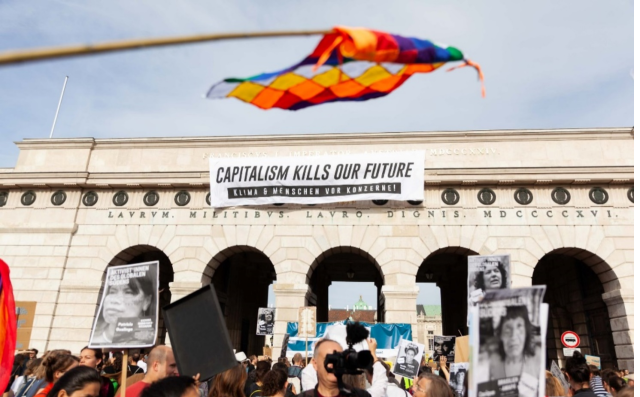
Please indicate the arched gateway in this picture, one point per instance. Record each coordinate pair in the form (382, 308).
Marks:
(560, 202)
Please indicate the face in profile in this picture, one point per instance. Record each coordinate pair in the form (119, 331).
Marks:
(127, 300)
(492, 275)
(513, 336)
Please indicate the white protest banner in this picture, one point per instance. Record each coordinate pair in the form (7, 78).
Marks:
(128, 312)
(317, 180)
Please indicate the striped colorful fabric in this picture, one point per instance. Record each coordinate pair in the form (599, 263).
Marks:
(8, 326)
(349, 64)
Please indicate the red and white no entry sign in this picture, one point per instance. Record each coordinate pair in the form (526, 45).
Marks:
(570, 339)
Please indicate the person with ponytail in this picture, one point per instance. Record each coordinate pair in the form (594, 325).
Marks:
(56, 365)
(579, 375)
(77, 382)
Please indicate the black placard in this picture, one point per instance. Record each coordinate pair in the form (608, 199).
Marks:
(199, 335)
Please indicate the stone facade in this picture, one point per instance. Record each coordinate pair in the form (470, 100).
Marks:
(58, 253)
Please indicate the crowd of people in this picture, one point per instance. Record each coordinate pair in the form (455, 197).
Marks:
(92, 373)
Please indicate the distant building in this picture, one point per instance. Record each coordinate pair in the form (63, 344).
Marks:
(359, 312)
(429, 325)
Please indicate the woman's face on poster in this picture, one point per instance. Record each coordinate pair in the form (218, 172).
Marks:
(513, 336)
(124, 301)
(460, 378)
(492, 276)
(410, 355)
(268, 317)
(445, 348)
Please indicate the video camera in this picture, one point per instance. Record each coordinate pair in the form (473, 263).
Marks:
(350, 361)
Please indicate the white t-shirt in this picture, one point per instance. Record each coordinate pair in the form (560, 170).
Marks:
(309, 378)
(142, 365)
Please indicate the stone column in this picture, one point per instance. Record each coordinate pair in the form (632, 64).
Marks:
(289, 298)
(620, 305)
(400, 305)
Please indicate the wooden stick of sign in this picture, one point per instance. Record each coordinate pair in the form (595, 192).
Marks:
(123, 374)
(38, 54)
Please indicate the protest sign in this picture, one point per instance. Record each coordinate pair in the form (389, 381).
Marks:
(128, 313)
(266, 319)
(462, 349)
(593, 360)
(317, 179)
(307, 322)
(555, 371)
(408, 359)
(444, 346)
(487, 273)
(457, 375)
(508, 343)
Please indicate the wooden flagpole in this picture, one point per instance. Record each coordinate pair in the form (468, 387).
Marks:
(123, 374)
(38, 54)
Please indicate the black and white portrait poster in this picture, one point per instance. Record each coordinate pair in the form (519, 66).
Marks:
(128, 312)
(444, 346)
(458, 377)
(508, 330)
(266, 319)
(486, 273)
(408, 359)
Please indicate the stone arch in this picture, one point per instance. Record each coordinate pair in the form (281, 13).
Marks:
(225, 254)
(140, 254)
(587, 299)
(342, 263)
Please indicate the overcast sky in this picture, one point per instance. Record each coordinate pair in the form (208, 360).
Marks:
(548, 64)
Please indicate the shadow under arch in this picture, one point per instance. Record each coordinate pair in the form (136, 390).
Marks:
(344, 264)
(241, 276)
(447, 268)
(140, 254)
(576, 279)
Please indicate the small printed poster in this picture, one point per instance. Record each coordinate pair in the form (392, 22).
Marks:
(457, 377)
(408, 359)
(128, 312)
(444, 346)
(266, 320)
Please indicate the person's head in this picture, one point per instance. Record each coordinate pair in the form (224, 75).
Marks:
(134, 358)
(77, 382)
(58, 365)
(253, 359)
(594, 370)
(626, 392)
(161, 364)
(284, 360)
(230, 383)
(32, 366)
(297, 359)
(354, 381)
(274, 383)
(33, 353)
(410, 351)
(322, 348)
(577, 370)
(20, 359)
(91, 358)
(625, 371)
(173, 386)
(616, 384)
(41, 371)
(262, 367)
(553, 387)
(432, 386)
(514, 333)
(129, 300)
(493, 276)
(280, 366)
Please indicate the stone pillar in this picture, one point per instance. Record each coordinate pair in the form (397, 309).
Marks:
(400, 305)
(620, 305)
(289, 298)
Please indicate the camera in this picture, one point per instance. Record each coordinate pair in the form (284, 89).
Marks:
(350, 361)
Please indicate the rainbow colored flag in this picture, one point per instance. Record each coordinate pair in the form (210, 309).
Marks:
(349, 64)
(8, 326)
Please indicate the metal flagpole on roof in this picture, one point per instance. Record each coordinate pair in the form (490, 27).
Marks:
(58, 109)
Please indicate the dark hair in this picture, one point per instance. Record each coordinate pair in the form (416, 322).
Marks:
(262, 367)
(75, 379)
(135, 357)
(19, 360)
(594, 370)
(171, 386)
(263, 314)
(461, 371)
(411, 347)
(32, 366)
(512, 313)
(97, 353)
(577, 368)
(617, 383)
(274, 382)
(479, 280)
(438, 386)
(35, 351)
(55, 363)
(280, 366)
(230, 383)
(252, 357)
(139, 285)
(607, 374)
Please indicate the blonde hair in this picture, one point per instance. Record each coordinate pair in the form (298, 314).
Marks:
(553, 386)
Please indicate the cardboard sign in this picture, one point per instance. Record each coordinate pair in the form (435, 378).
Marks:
(25, 313)
(307, 322)
(593, 360)
(462, 349)
(128, 313)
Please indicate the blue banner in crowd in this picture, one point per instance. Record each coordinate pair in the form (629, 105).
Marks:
(387, 335)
